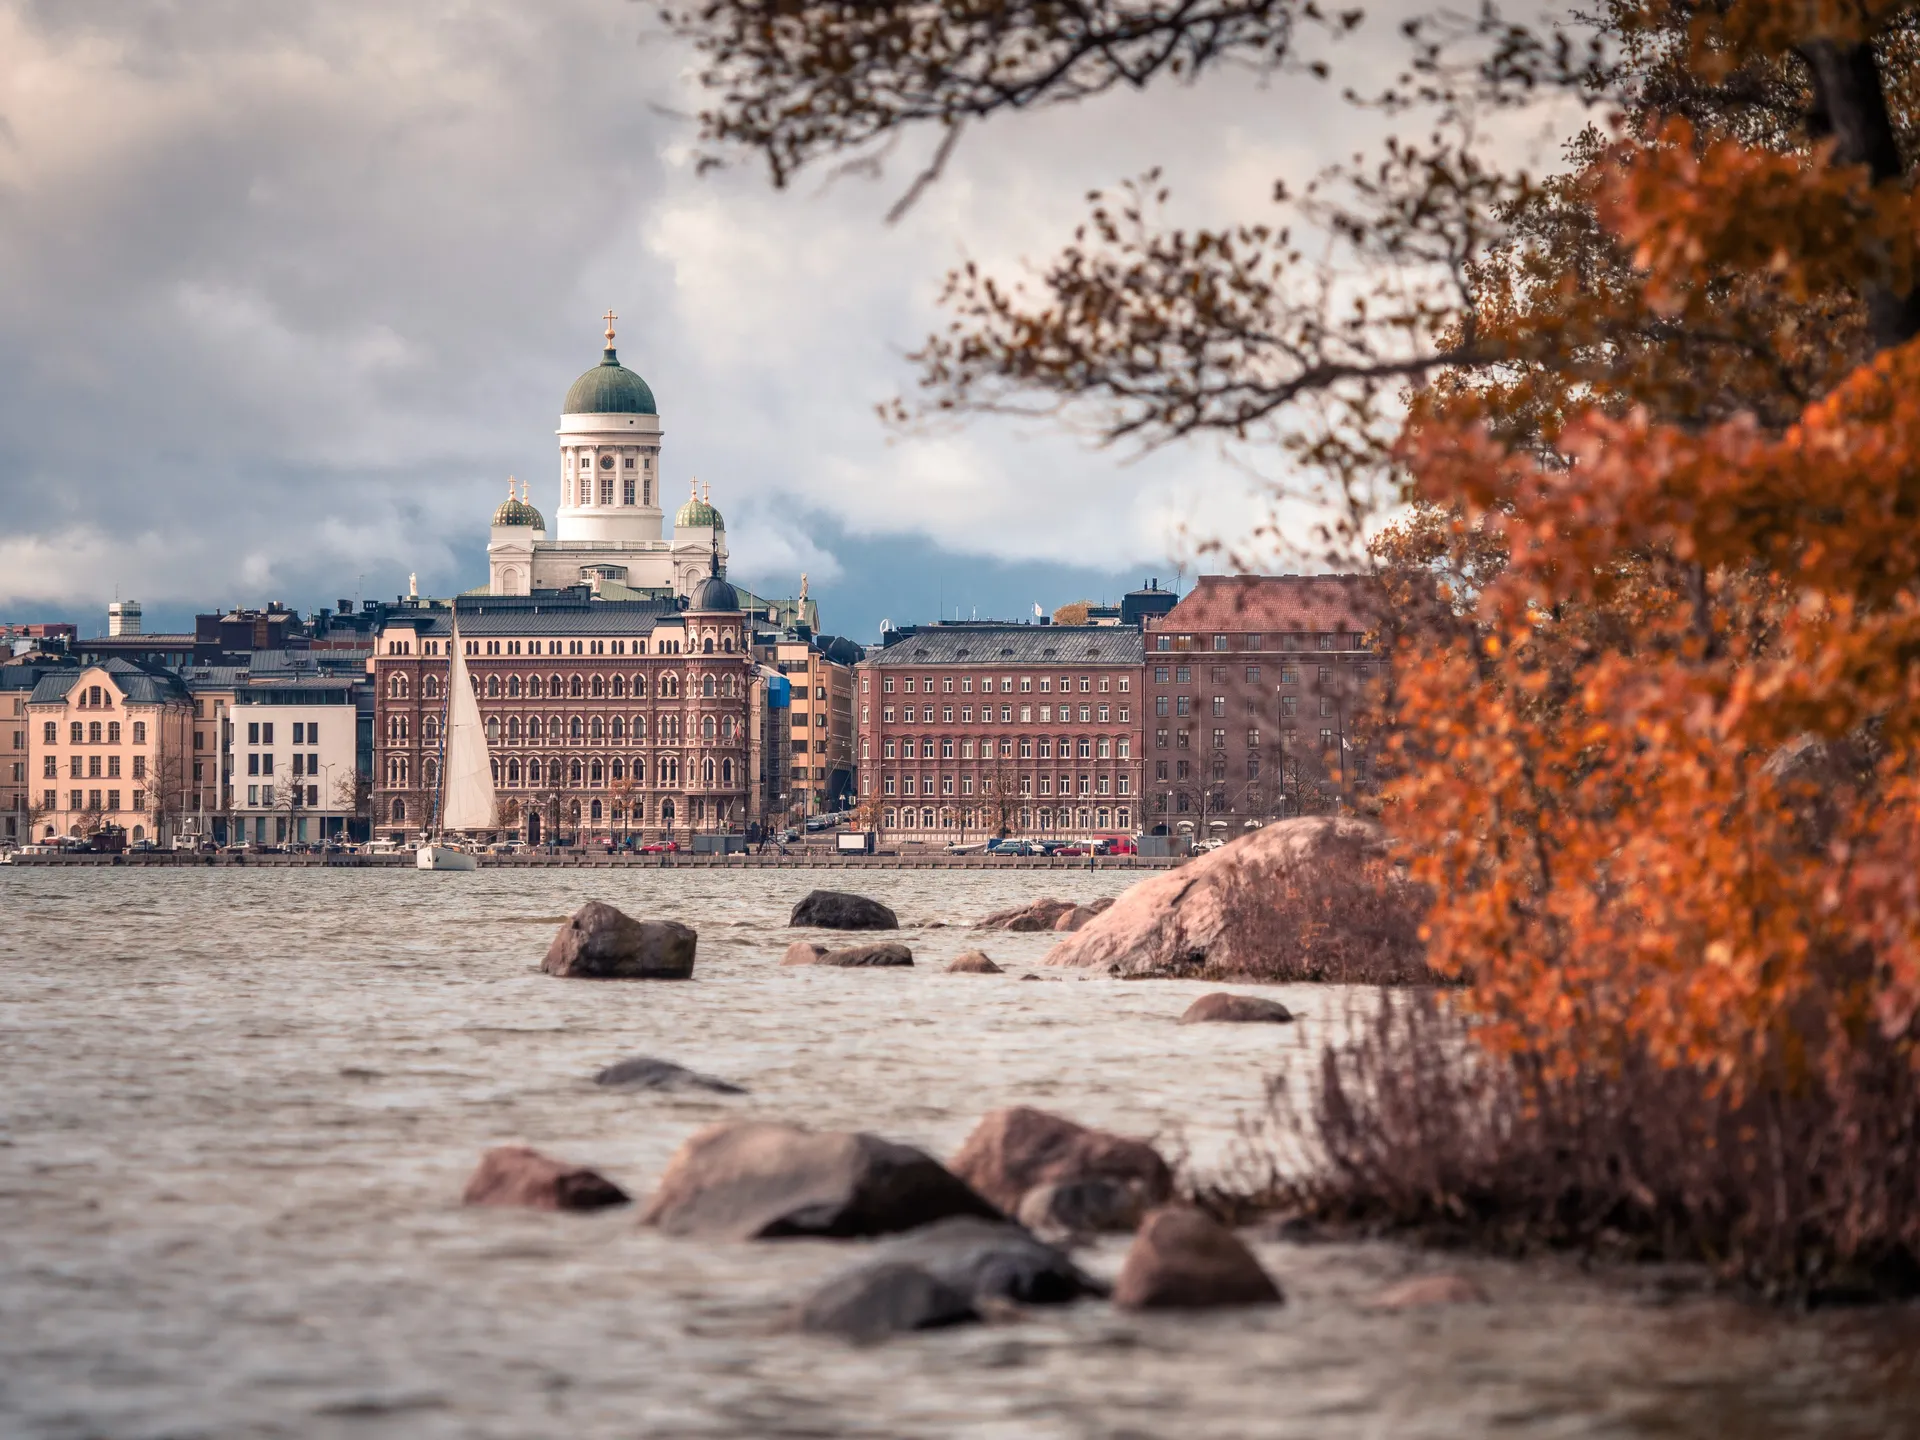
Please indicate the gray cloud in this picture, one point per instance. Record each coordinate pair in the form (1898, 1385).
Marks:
(291, 288)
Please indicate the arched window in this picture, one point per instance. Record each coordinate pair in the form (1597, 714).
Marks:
(534, 728)
(726, 644)
(707, 647)
(639, 727)
(669, 687)
(669, 769)
(113, 732)
(726, 727)
(513, 729)
(493, 729)
(706, 772)
(706, 683)
(429, 687)
(533, 772)
(619, 684)
(617, 728)
(573, 810)
(573, 772)
(399, 812)
(513, 687)
(619, 771)
(553, 687)
(595, 773)
(706, 727)
(533, 687)
(666, 812)
(669, 727)
(640, 772)
(493, 687)
(597, 729)
(139, 732)
(639, 687)
(495, 764)
(429, 727)
(726, 772)
(513, 772)
(397, 687)
(598, 687)
(430, 772)
(595, 811)
(93, 732)
(574, 686)
(573, 728)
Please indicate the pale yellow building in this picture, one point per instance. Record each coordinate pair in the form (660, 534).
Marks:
(111, 744)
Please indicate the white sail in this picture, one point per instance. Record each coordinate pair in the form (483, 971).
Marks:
(467, 788)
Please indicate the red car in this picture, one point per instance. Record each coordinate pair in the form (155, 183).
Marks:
(660, 847)
(1119, 845)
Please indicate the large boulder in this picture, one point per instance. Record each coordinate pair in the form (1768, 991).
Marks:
(973, 962)
(755, 1180)
(803, 952)
(1308, 899)
(1034, 916)
(886, 952)
(839, 910)
(1011, 1151)
(1183, 1259)
(643, 1072)
(991, 1260)
(1076, 918)
(601, 943)
(1225, 1008)
(1073, 1208)
(517, 1175)
(889, 1298)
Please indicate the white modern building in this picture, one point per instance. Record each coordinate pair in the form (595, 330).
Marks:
(608, 530)
(291, 756)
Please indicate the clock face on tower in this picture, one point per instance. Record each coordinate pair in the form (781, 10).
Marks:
(606, 462)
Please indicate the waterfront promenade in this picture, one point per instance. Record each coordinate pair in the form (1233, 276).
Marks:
(594, 859)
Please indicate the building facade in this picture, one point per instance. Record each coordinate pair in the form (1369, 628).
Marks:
(605, 719)
(1254, 683)
(819, 770)
(970, 730)
(110, 744)
(290, 750)
(610, 516)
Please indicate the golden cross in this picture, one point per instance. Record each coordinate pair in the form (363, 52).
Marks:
(611, 317)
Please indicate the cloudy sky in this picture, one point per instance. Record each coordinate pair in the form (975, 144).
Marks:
(288, 289)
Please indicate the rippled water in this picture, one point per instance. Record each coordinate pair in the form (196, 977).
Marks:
(237, 1109)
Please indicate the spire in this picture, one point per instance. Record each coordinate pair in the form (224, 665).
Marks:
(510, 494)
(523, 492)
(708, 497)
(610, 317)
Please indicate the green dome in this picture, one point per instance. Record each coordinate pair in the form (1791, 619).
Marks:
(697, 514)
(517, 512)
(610, 389)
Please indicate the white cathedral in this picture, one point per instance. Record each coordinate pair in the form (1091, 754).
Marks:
(607, 530)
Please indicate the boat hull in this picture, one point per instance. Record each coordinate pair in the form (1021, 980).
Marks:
(444, 857)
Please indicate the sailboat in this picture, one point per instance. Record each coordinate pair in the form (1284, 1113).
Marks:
(466, 773)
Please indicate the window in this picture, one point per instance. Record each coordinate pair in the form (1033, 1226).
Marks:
(1288, 704)
(1219, 642)
(1163, 642)
(1323, 641)
(140, 732)
(1219, 704)
(1326, 705)
(1326, 739)
(50, 732)
(1183, 705)
(113, 732)
(1160, 739)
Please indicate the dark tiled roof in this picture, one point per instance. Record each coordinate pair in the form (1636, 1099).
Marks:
(1030, 645)
(1274, 604)
(140, 686)
(484, 615)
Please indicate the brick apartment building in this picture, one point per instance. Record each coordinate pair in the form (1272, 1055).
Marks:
(1251, 688)
(971, 729)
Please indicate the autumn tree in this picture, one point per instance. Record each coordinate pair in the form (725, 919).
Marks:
(1653, 724)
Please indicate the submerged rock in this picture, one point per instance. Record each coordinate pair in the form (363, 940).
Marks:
(756, 1180)
(1427, 1291)
(886, 952)
(875, 1301)
(643, 1072)
(1183, 1259)
(1034, 916)
(1224, 1008)
(803, 952)
(1074, 919)
(991, 1260)
(601, 943)
(973, 962)
(1011, 1151)
(519, 1175)
(1089, 1206)
(839, 910)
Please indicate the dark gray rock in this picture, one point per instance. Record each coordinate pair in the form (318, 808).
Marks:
(643, 1072)
(519, 1176)
(755, 1180)
(991, 1260)
(839, 910)
(601, 943)
(1087, 1206)
(875, 1301)
(1224, 1007)
(887, 952)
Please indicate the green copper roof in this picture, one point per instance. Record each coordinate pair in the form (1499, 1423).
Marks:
(518, 512)
(698, 515)
(610, 389)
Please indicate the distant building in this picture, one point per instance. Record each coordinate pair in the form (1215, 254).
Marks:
(821, 729)
(1254, 682)
(971, 729)
(110, 744)
(291, 750)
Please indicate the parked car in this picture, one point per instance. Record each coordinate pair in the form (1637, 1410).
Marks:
(1068, 850)
(1019, 847)
(142, 847)
(660, 847)
(787, 837)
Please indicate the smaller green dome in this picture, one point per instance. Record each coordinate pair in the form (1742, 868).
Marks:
(697, 514)
(515, 511)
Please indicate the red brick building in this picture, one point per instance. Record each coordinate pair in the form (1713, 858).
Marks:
(969, 730)
(1251, 687)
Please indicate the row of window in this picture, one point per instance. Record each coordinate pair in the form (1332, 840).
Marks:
(1087, 747)
(1183, 705)
(50, 767)
(662, 645)
(1025, 785)
(1106, 714)
(580, 491)
(1289, 674)
(107, 801)
(305, 732)
(91, 733)
(261, 763)
(1289, 737)
(552, 730)
(1026, 684)
(1087, 818)
(259, 796)
(577, 687)
(1288, 640)
(513, 772)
